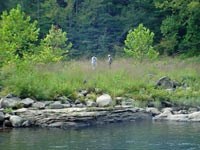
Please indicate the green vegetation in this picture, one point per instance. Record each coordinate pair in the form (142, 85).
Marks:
(138, 43)
(126, 78)
(18, 35)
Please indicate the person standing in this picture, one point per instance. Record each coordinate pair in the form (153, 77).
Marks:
(94, 62)
(110, 60)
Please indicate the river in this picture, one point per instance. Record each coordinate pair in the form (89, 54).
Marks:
(143, 135)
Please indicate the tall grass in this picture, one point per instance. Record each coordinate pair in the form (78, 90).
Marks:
(125, 78)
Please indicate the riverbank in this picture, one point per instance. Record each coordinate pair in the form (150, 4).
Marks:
(65, 114)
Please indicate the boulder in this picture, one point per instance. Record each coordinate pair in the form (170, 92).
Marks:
(16, 121)
(39, 105)
(195, 116)
(153, 111)
(56, 105)
(12, 102)
(104, 100)
(2, 116)
(27, 102)
(166, 83)
(178, 117)
(163, 116)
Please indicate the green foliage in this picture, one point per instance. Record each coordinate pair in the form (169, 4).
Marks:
(56, 39)
(18, 34)
(181, 28)
(99, 27)
(52, 48)
(138, 43)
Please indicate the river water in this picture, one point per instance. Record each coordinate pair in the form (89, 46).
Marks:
(121, 136)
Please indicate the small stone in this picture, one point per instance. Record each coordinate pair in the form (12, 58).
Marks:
(91, 103)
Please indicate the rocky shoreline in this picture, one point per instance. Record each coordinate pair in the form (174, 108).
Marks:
(16, 112)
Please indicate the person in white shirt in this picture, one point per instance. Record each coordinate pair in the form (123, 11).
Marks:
(110, 60)
(94, 62)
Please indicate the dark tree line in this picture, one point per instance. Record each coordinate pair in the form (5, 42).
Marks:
(101, 26)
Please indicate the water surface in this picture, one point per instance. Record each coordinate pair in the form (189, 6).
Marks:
(122, 136)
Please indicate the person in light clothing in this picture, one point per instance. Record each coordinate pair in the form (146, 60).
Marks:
(110, 60)
(94, 62)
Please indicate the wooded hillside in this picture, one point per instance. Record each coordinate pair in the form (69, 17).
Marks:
(100, 26)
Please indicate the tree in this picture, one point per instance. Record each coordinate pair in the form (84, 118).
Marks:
(138, 43)
(52, 48)
(18, 34)
(57, 40)
(181, 27)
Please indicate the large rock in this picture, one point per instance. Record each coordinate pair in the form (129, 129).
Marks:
(163, 116)
(166, 83)
(16, 121)
(153, 111)
(195, 116)
(56, 105)
(2, 116)
(12, 102)
(27, 102)
(104, 100)
(39, 105)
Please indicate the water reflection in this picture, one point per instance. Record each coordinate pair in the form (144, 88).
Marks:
(123, 136)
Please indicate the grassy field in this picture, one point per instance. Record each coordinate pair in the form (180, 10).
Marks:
(126, 78)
